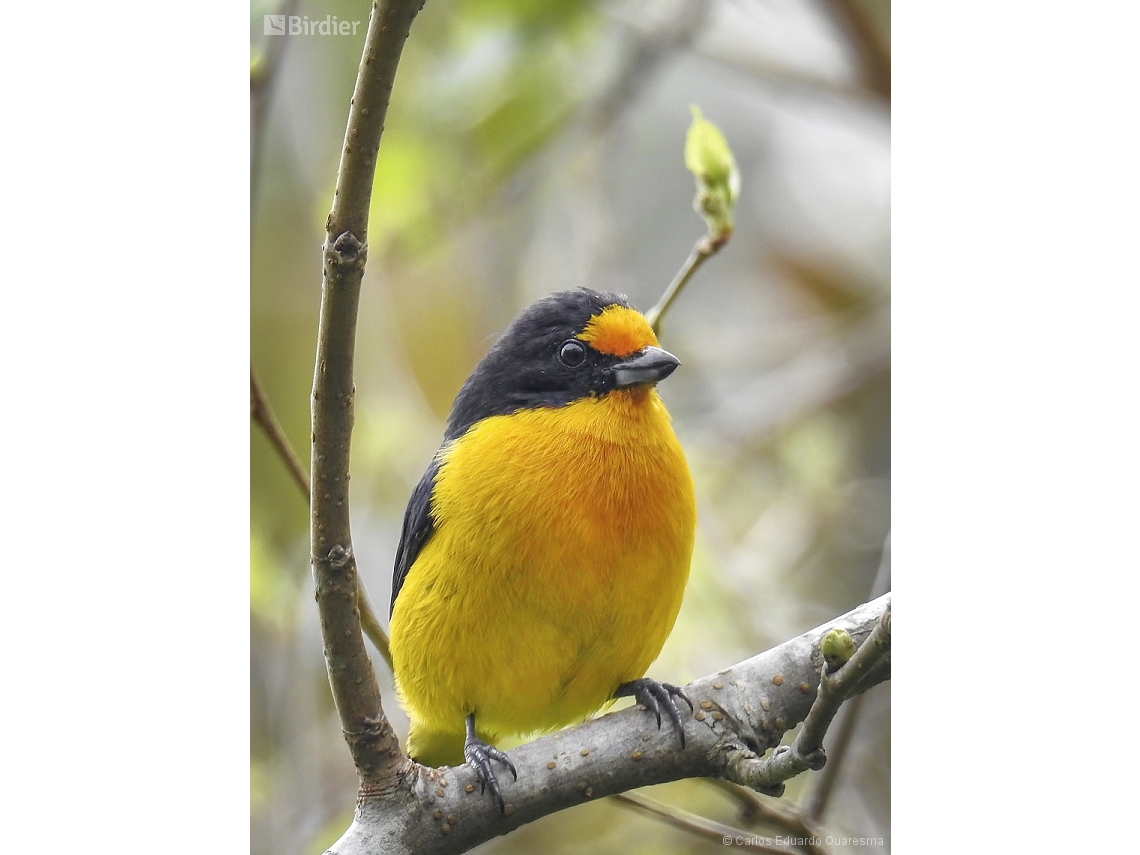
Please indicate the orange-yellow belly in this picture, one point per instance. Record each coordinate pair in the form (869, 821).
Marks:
(556, 570)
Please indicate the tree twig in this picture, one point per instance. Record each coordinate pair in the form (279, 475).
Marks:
(697, 825)
(371, 625)
(755, 810)
(261, 79)
(815, 802)
(803, 820)
(262, 414)
(704, 248)
(806, 750)
(375, 749)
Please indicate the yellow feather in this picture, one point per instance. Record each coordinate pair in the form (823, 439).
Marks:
(555, 573)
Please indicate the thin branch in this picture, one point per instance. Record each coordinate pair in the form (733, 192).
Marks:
(697, 825)
(755, 810)
(705, 248)
(261, 80)
(262, 77)
(375, 749)
(806, 750)
(371, 625)
(804, 819)
(262, 414)
(815, 802)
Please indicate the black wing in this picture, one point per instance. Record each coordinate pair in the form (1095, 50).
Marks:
(418, 527)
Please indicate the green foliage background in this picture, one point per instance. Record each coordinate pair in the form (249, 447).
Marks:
(535, 146)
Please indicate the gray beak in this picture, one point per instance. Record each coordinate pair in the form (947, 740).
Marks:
(649, 365)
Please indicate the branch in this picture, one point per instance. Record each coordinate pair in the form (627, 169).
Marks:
(371, 625)
(803, 819)
(815, 802)
(697, 825)
(741, 712)
(757, 811)
(262, 413)
(709, 158)
(806, 750)
(704, 248)
(375, 749)
(262, 78)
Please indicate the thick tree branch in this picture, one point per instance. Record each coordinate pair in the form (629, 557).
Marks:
(374, 746)
(741, 712)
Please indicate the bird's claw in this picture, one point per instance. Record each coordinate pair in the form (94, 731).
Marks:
(653, 696)
(480, 756)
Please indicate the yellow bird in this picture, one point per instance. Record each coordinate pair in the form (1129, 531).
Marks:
(545, 551)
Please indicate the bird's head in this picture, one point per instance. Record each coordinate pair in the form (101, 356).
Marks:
(562, 348)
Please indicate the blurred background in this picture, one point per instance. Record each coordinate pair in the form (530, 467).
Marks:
(533, 146)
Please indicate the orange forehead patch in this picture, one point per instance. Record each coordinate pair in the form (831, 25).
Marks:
(618, 331)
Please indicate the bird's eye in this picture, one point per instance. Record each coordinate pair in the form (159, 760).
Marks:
(572, 353)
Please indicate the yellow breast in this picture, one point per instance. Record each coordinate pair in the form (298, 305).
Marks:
(556, 570)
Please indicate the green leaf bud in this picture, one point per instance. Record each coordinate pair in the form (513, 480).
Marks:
(837, 647)
(709, 158)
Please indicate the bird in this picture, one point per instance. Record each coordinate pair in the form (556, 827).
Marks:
(544, 554)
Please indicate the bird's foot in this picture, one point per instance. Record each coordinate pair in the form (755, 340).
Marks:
(653, 696)
(480, 756)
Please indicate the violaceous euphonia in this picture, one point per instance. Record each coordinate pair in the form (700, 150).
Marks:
(545, 551)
